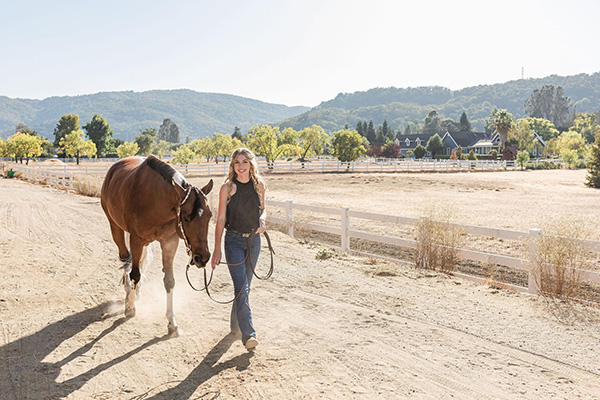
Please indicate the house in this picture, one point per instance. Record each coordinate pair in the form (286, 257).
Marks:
(479, 142)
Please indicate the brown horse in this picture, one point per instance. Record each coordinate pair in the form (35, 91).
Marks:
(151, 201)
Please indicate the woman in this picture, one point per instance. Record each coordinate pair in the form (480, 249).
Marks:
(241, 212)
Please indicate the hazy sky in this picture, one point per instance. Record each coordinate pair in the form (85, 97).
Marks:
(288, 52)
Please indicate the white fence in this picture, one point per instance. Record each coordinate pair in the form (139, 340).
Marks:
(346, 233)
(322, 166)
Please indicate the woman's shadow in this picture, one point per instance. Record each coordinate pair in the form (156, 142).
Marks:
(207, 368)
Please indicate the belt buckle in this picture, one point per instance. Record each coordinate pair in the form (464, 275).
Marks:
(246, 234)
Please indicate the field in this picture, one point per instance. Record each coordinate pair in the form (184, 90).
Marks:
(338, 328)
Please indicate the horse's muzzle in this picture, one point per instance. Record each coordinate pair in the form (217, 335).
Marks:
(200, 261)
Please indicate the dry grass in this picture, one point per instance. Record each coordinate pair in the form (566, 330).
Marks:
(555, 256)
(438, 240)
(87, 185)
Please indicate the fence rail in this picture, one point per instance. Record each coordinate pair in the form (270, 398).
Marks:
(345, 233)
(321, 166)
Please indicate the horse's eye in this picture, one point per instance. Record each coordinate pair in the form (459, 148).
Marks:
(186, 219)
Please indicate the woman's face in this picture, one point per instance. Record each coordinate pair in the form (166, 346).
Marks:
(241, 166)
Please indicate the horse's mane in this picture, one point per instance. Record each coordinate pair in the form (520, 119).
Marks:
(166, 171)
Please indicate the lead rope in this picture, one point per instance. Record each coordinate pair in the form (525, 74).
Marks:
(252, 267)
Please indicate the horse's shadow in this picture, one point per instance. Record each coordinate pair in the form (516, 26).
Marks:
(27, 376)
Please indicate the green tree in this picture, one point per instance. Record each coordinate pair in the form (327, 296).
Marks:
(449, 125)
(237, 134)
(435, 145)
(587, 126)
(145, 141)
(168, 131)
(160, 148)
(184, 155)
(348, 145)
(223, 145)
(204, 148)
(75, 145)
(371, 133)
(593, 175)
(431, 123)
(67, 124)
(264, 140)
(522, 158)
(471, 156)
(522, 135)
(459, 153)
(21, 145)
(99, 132)
(465, 125)
(127, 149)
(504, 123)
(543, 127)
(420, 151)
(549, 102)
(571, 143)
(312, 141)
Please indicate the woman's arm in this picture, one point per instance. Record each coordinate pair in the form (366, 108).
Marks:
(221, 215)
(262, 220)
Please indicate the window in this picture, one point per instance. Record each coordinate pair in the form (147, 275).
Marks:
(407, 141)
(418, 141)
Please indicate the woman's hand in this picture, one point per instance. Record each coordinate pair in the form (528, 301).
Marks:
(216, 258)
(260, 230)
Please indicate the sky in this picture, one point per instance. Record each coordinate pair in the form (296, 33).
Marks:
(286, 51)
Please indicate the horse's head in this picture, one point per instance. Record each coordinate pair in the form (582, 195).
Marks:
(194, 217)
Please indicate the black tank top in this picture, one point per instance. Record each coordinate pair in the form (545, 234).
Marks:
(243, 210)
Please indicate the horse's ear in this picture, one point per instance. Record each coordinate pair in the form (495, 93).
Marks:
(178, 188)
(206, 189)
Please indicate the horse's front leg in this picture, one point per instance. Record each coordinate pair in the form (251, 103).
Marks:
(132, 280)
(169, 248)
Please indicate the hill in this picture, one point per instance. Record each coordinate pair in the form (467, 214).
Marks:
(196, 114)
(401, 106)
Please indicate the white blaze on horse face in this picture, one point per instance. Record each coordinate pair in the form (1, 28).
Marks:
(200, 212)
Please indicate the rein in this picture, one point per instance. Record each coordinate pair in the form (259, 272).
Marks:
(252, 267)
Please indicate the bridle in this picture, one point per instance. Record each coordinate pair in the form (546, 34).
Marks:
(248, 257)
(188, 247)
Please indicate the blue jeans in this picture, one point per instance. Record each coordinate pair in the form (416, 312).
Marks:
(236, 247)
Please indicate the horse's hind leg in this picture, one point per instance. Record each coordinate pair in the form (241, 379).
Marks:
(169, 248)
(132, 280)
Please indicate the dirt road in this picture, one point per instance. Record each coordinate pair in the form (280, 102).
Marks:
(341, 328)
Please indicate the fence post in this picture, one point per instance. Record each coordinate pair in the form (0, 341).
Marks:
(345, 228)
(532, 284)
(289, 218)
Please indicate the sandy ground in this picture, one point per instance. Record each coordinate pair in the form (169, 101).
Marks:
(340, 328)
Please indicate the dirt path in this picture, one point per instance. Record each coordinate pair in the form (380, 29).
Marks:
(333, 329)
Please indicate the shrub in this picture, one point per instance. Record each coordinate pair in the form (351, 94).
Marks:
(325, 254)
(419, 151)
(543, 165)
(87, 186)
(438, 241)
(558, 253)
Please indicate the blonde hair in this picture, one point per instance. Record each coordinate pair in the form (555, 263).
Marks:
(254, 175)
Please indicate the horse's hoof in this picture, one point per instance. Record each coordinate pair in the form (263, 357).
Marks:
(129, 312)
(173, 330)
